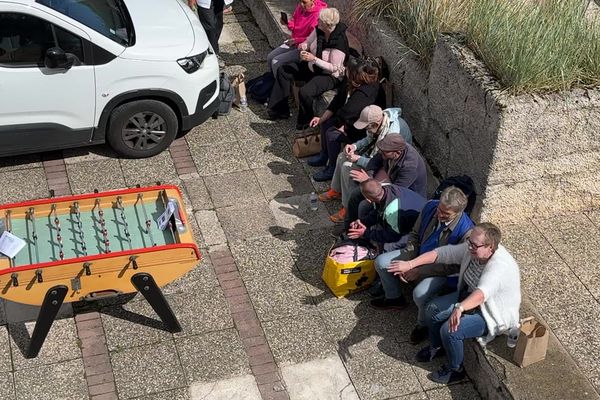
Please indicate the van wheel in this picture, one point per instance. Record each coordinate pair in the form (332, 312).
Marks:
(142, 128)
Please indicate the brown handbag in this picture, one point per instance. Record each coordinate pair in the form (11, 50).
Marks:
(307, 144)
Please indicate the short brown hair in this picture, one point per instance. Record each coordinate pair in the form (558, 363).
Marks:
(491, 232)
(361, 72)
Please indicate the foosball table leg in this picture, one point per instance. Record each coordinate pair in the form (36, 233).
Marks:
(52, 302)
(146, 285)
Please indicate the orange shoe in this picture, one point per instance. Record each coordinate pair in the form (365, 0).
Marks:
(338, 217)
(330, 195)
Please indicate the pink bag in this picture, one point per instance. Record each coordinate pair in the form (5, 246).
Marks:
(349, 253)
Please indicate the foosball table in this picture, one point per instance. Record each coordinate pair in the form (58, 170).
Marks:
(93, 246)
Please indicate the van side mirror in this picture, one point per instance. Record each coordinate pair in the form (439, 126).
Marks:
(57, 58)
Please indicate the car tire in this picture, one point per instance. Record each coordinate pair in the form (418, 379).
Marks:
(142, 128)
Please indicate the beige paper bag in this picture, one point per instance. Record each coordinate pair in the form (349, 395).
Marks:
(532, 342)
(239, 86)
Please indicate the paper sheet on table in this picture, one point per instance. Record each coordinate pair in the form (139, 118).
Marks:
(10, 244)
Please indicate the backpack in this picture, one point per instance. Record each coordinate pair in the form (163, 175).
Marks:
(226, 95)
(259, 88)
(464, 183)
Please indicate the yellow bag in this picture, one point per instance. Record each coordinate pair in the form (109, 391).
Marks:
(344, 278)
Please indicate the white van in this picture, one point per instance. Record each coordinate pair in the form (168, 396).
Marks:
(133, 73)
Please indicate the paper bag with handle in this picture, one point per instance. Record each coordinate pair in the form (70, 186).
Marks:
(532, 342)
(239, 85)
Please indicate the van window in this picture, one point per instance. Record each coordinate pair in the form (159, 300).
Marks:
(24, 40)
(107, 17)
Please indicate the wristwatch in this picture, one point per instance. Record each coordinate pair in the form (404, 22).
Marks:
(457, 305)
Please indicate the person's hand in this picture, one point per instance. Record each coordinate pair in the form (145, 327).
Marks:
(399, 267)
(357, 229)
(454, 320)
(314, 122)
(411, 275)
(303, 46)
(349, 149)
(307, 56)
(352, 157)
(359, 175)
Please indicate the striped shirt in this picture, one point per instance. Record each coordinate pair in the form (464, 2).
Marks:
(472, 274)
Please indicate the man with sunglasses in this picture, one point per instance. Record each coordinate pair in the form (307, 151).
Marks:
(485, 304)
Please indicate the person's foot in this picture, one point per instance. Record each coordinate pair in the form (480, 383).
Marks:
(446, 375)
(428, 353)
(274, 115)
(324, 175)
(418, 334)
(338, 217)
(376, 290)
(384, 303)
(330, 195)
(317, 161)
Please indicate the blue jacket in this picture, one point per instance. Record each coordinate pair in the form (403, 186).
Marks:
(433, 241)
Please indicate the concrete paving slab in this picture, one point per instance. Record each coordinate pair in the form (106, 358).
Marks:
(234, 189)
(219, 158)
(293, 214)
(7, 386)
(246, 51)
(210, 227)
(422, 370)
(247, 222)
(464, 391)
(61, 344)
(91, 153)
(212, 356)
(149, 171)
(175, 394)
(594, 216)
(65, 380)
(26, 161)
(250, 126)
(283, 180)
(298, 339)
(318, 379)
(197, 233)
(320, 187)
(321, 295)
(197, 193)
(213, 130)
(202, 277)
(13, 312)
(5, 356)
(278, 296)
(103, 175)
(309, 249)
(147, 369)
(261, 257)
(238, 388)
(264, 152)
(243, 31)
(26, 184)
(582, 341)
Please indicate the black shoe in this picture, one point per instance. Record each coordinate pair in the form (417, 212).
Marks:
(317, 161)
(389, 304)
(418, 334)
(324, 175)
(274, 115)
(376, 290)
(426, 354)
(446, 375)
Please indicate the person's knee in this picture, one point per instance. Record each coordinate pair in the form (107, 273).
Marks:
(382, 263)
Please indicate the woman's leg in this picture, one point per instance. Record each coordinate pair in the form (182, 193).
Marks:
(436, 313)
(471, 326)
(424, 292)
(313, 88)
(278, 101)
(287, 56)
(334, 145)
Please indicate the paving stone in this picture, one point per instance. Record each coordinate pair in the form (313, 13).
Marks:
(210, 227)
(201, 277)
(242, 388)
(5, 357)
(90, 153)
(260, 257)
(264, 152)
(7, 386)
(198, 194)
(219, 158)
(212, 356)
(234, 189)
(413, 396)
(324, 379)
(320, 187)
(321, 295)
(298, 339)
(257, 49)
(278, 296)
(196, 232)
(212, 131)
(25, 161)
(61, 344)
(26, 184)
(235, 18)
(293, 214)
(176, 394)
(283, 180)
(147, 369)
(249, 126)
(309, 249)
(464, 391)
(64, 380)
(103, 175)
(148, 171)
(243, 31)
(246, 222)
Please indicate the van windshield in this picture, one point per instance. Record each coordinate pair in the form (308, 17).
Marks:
(107, 17)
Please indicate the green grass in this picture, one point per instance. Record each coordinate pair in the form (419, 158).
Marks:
(529, 45)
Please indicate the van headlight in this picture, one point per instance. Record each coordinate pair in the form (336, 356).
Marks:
(193, 63)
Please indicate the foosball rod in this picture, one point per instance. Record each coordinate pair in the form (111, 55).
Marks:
(58, 232)
(11, 261)
(34, 235)
(165, 200)
(140, 198)
(126, 229)
(80, 227)
(103, 226)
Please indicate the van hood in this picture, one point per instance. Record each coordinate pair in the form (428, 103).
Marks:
(163, 30)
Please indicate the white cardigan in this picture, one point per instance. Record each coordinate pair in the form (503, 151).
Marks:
(499, 282)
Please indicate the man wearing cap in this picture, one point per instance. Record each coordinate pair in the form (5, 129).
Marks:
(398, 162)
(378, 124)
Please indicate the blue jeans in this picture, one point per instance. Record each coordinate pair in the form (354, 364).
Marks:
(390, 282)
(471, 325)
(426, 291)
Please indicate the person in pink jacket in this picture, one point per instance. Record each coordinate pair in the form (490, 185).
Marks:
(303, 22)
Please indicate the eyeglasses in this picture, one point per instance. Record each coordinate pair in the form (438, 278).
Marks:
(474, 246)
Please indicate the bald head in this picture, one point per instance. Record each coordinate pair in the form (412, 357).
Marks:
(372, 190)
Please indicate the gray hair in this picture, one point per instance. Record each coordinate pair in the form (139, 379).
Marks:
(330, 17)
(454, 198)
(491, 232)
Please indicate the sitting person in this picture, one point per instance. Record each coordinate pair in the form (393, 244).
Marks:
(378, 124)
(441, 222)
(321, 66)
(304, 20)
(394, 211)
(486, 302)
(398, 163)
(361, 88)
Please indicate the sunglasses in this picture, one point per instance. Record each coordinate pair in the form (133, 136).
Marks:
(474, 246)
